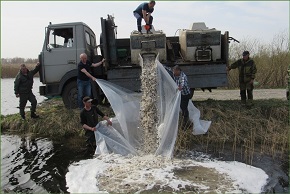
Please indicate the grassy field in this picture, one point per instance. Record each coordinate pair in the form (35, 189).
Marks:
(263, 128)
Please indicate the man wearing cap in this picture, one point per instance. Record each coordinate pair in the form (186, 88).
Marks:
(89, 120)
(247, 71)
(143, 11)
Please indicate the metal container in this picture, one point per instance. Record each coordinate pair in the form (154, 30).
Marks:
(200, 45)
(136, 45)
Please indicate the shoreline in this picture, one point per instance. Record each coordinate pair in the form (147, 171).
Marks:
(234, 134)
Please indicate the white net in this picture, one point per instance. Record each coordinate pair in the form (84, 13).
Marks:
(129, 132)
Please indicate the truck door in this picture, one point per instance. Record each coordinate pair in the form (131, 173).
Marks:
(60, 54)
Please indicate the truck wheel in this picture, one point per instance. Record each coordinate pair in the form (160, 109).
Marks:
(70, 95)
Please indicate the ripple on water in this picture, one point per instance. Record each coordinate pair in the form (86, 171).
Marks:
(22, 163)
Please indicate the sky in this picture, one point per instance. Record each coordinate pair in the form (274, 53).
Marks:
(23, 23)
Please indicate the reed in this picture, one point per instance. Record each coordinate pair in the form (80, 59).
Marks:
(261, 129)
(11, 70)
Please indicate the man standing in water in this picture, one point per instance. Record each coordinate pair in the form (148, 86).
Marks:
(23, 90)
(89, 120)
(143, 11)
(247, 71)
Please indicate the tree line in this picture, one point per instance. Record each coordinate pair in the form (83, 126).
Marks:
(17, 60)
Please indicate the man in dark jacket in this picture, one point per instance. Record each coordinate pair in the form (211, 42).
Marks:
(247, 71)
(84, 76)
(89, 120)
(23, 89)
(143, 11)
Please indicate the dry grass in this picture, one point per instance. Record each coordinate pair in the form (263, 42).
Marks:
(11, 70)
(271, 59)
(263, 129)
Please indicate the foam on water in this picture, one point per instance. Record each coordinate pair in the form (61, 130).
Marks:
(115, 173)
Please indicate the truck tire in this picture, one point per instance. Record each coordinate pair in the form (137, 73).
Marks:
(70, 95)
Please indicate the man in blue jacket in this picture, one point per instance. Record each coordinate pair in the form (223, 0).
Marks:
(143, 11)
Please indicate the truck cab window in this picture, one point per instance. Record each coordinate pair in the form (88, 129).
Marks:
(88, 38)
(60, 38)
(93, 40)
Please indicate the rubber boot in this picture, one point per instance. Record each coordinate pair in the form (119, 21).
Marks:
(34, 116)
(243, 97)
(22, 113)
(250, 98)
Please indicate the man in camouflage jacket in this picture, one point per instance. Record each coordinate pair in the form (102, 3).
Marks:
(247, 71)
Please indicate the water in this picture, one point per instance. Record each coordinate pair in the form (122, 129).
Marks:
(34, 165)
(9, 102)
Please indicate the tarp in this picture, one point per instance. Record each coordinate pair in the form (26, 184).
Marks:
(124, 136)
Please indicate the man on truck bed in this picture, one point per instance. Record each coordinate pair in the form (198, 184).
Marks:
(143, 11)
(23, 89)
(247, 71)
(84, 76)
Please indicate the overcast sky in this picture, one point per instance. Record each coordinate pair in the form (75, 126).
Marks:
(23, 23)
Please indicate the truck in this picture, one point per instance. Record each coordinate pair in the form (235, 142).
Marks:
(201, 52)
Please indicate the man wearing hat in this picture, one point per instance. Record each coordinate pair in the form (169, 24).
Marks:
(89, 120)
(247, 71)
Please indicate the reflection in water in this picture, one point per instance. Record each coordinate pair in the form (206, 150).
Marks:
(33, 165)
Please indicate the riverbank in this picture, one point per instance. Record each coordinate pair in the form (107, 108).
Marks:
(262, 128)
(55, 122)
(266, 124)
(256, 136)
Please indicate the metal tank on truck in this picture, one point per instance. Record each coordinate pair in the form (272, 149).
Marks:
(202, 54)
